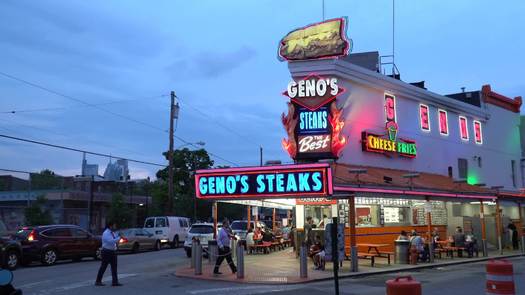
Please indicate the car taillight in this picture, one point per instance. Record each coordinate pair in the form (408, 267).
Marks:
(123, 240)
(32, 237)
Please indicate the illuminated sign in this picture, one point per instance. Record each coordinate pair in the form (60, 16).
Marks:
(443, 122)
(265, 182)
(463, 129)
(388, 143)
(313, 123)
(478, 135)
(424, 121)
(315, 201)
(326, 39)
(390, 108)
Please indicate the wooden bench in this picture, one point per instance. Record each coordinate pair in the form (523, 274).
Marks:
(366, 255)
(265, 247)
(386, 254)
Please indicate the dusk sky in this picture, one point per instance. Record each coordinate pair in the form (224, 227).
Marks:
(220, 59)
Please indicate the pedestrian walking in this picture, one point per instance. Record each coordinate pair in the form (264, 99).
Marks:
(109, 254)
(225, 252)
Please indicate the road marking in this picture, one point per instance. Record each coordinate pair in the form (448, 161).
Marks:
(30, 285)
(244, 290)
(81, 284)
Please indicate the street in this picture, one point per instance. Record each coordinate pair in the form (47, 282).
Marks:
(153, 273)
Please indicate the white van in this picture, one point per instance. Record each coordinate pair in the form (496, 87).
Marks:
(168, 229)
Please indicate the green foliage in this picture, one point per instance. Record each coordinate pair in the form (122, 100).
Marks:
(37, 214)
(185, 163)
(119, 211)
(46, 179)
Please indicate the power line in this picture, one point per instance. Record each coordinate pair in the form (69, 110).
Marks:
(70, 107)
(17, 171)
(106, 111)
(78, 150)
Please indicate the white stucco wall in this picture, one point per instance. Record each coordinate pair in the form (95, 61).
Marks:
(363, 105)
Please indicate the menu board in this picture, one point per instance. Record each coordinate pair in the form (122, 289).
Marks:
(391, 215)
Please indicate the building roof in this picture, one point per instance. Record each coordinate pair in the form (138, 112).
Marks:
(499, 100)
(392, 181)
(470, 97)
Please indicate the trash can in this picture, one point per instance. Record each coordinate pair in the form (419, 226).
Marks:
(402, 250)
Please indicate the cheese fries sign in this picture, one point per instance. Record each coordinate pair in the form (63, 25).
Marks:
(314, 122)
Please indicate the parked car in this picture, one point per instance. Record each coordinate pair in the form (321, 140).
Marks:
(135, 239)
(168, 229)
(201, 231)
(50, 243)
(10, 250)
(240, 227)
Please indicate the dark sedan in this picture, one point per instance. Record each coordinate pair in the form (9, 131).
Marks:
(50, 243)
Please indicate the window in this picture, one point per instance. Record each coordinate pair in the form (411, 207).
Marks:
(390, 108)
(160, 222)
(57, 233)
(424, 121)
(513, 168)
(150, 222)
(79, 233)
(478, 135)
(204, 229)
(181, 223)
(463, 128)
(443, 122)
(462, 168)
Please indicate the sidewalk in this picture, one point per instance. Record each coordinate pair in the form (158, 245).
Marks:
(283, 268)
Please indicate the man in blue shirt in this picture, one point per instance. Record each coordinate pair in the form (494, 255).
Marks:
(223, 241)
(109, 254)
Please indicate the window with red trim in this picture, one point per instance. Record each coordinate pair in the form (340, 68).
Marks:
(390, 107)
(478, 135)
(424, 120)
(443, 122)
(463, 129)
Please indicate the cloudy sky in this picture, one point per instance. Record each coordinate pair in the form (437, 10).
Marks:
(220, 58)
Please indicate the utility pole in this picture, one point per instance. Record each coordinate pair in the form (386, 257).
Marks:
(174, 115)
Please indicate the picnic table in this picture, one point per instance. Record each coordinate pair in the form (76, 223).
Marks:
(373, 252)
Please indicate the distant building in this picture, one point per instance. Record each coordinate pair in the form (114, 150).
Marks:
(89, 169)
(117, 171)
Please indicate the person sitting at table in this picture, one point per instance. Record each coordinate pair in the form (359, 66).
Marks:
(471, 244)
(417, 241)
(257, 235)
(403, 236)
(267, 236)
(315, 249)
(459, 240)
(249, 240)
(319, 257)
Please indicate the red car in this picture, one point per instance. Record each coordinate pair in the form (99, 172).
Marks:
(50, 243)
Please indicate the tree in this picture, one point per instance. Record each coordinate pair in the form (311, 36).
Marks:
(37, 214)
(46, 179)
(119, 211)
(185, 163)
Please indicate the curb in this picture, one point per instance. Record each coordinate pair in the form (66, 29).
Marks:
(363, 274)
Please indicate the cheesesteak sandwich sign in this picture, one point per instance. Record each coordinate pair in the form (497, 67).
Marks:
(306, 180)
(314, 122)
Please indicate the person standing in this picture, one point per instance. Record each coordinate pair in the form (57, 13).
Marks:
(109, 254)
(223, 241)
(308, 233)
(513, 236)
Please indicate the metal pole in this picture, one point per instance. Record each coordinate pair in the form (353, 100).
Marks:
(169, 208)
(303, 262)
(249, 218)
(353, 246)
(198, 259)
(215, 220)
(90, 203)
(483, 229)
(240, 260)
(29, 192)
(335, 253)
(520, 230)
(193, 253)
(273, 220)
(260, 156)
(498, 227)
(429, 229)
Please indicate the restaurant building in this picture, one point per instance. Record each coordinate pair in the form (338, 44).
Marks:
(401, 157)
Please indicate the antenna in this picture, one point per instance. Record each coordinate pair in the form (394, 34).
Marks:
(323, 9)
(393, 34)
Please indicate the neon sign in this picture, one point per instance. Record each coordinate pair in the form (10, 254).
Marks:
(388, 142)
(315, 201)
(443, 122)
(463, 129)
(325, 39)
(478, 135)
(314, 122)
(423, 117)
(264, 182)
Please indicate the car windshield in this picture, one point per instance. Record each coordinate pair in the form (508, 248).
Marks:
(201, 229)
(126, 232)
(239, 225)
